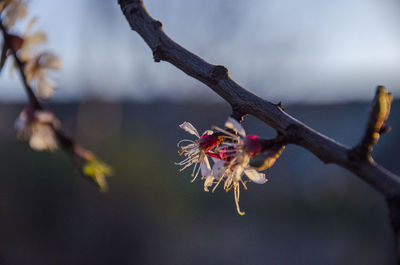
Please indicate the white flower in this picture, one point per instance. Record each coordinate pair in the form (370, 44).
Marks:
(232, 173)
(195, 150)
(230, 150)
(30, 39)
(234, 161)
(215, 174)
(36, 69)
(12, 11)
(38, 127)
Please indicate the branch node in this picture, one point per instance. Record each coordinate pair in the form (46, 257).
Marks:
(219, 72)
(292, 133)
(385, 129)
(280, 106)
(158, 53)
(238, 112)
(355, 155)
(157, 24)
(237, 116)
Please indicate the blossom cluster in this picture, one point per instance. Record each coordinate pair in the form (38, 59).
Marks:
(36, 63)
(34, 124)
(39, 126)
(230, 151)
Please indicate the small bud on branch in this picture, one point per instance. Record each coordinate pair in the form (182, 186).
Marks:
(376, 124)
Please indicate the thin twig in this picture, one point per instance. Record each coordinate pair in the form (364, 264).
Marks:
(33, 100)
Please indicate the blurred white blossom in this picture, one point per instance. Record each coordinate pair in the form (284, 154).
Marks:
(36, 69)
(37, 127)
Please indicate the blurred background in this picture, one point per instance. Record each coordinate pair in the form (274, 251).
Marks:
(322, 59)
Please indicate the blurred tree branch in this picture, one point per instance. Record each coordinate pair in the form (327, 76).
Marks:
(358, 159)
(89, 166)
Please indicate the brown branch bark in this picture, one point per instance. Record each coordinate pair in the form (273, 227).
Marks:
(244, 102)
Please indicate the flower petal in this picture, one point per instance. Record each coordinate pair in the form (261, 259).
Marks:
(187, 126)
(255, 176)
(205, 167)
(43, 138)
(233, 124)
(208, 183)
(208, 132)
(44, 87)
(50, 61)
(44, 116)
(218, 168)
(21, 122)
(29, 26)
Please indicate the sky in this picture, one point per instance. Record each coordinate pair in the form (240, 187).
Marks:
(312, 51)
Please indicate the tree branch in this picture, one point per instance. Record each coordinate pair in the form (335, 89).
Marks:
(244, 102)
(357, 160)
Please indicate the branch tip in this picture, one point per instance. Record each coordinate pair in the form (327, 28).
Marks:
(377, 122)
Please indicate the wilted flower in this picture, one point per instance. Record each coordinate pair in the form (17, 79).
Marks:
(195, 151)
(12, 10)
(37, 127)
(36, 69)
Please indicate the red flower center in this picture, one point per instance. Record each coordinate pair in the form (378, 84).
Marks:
(252, 145)
(207, 142)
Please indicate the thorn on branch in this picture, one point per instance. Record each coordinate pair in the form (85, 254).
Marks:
(280, 105)
(377, 122)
